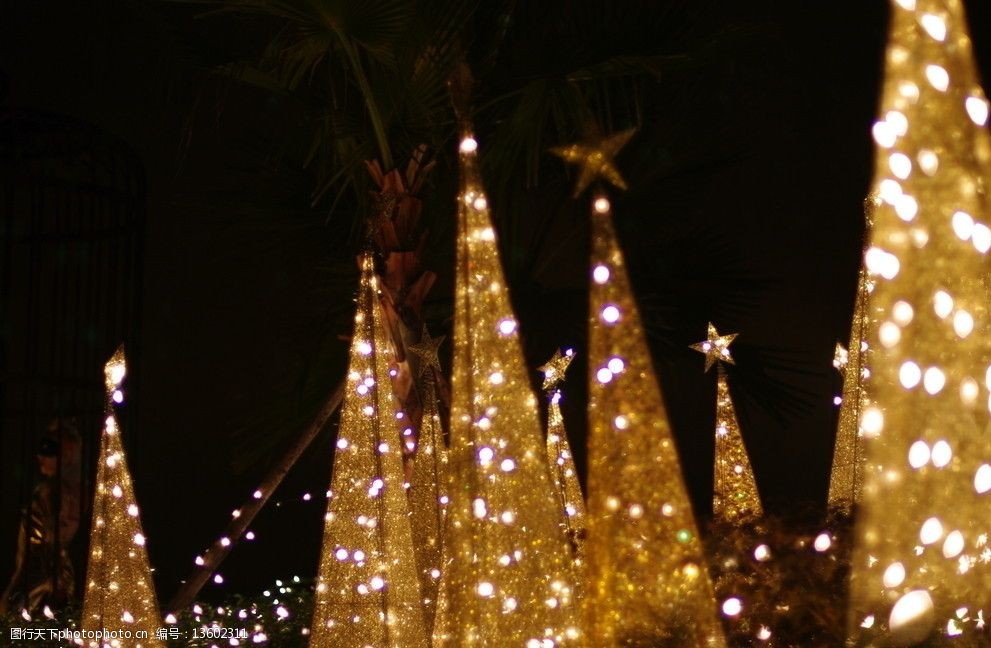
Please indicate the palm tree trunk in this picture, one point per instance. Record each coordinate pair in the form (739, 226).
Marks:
(216, 554)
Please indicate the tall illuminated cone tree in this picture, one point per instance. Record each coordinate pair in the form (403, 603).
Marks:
(735, 498)
(922, 562)
(429, 483)
(647, 580)
(571, 502)
(508, 579)
(120, 594)
(368, 591)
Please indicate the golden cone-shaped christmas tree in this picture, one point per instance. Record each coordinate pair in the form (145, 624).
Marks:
(368, 591)
(565, 477)
(648, 584)
(853, 362)
(922, 564)
(508, 576)
(429, 483)
(847, 476)
(571, 502)
(735, 498)
(120, 594)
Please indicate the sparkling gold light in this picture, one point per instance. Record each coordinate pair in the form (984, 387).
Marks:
(120, 594)
(485, 599)
(920, 508)
(368, 592)
(735, 498)
(640, 591)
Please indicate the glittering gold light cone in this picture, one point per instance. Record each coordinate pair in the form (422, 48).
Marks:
(847, 477)
(508, 576)
(571, 502)
(120, 593)
(648, 584)
(922, 565)
(735, 497)
(368, 591)
(428, 497)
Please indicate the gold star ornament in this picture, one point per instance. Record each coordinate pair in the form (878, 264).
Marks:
(596, 159)
(556, 367)
(426, 351)
(840, 358)
(715, 347)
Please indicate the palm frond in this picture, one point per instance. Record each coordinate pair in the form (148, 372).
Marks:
(367, 78)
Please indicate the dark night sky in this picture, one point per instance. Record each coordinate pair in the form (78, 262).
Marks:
(756, 227)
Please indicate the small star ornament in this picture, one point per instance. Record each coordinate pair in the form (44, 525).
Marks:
(840, 357)
(596, 159)
(715, 347)
(555, 368)
(426, 350)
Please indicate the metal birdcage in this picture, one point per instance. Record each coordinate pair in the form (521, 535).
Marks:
(72, 205)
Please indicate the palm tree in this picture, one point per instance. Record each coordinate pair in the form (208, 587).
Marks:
(371, 78)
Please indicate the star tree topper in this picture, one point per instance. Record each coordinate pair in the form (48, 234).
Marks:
(555, 368)
(426, 350)
(716, 347)
(596, 159)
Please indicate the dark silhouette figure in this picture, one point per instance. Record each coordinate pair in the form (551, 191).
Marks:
(43, 573)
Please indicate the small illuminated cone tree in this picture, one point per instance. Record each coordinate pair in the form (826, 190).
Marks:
(508, 578)
(847, 476)
(922, 564)
(735, 498)
(571, 502)
(429, 483)
(853, 362)
(368, 591)
(648, 584)
(120, 594)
